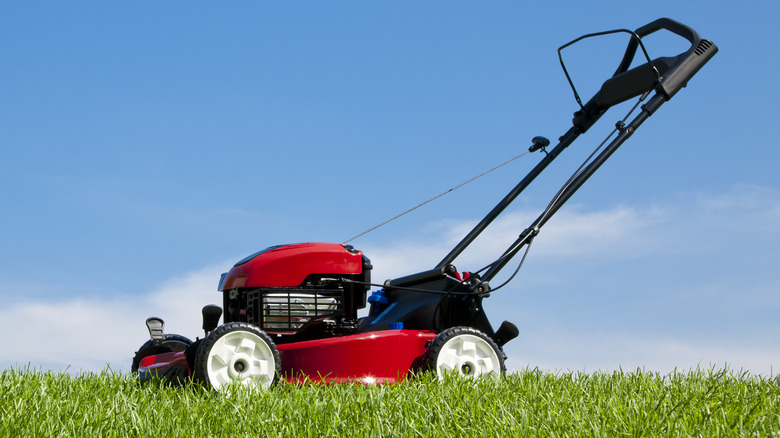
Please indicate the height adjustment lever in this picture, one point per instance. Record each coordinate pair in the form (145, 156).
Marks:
(539, 142)
(156, 326)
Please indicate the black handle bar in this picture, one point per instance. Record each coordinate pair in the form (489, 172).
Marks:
(662, 23)
(682, 67)
(667, 75)
(673, 74)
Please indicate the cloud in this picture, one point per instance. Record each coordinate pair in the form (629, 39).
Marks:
(688, 282)
(610, 351)
(575, 232)
(685, 282)
(88, 334)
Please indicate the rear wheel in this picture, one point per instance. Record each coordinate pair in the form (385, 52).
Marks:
(465, 352)
(171, 344)
(237, 353)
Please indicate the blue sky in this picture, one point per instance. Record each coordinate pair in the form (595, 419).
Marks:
(147, 146)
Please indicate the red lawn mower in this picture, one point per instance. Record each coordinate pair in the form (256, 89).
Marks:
(291, 311)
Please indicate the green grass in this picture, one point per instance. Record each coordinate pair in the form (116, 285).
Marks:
(527, 403)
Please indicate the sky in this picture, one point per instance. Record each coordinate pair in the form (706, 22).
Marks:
(148, 146)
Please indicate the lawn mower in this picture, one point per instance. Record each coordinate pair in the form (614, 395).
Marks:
(290, 312)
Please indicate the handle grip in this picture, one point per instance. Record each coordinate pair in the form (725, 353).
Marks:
(684, 66)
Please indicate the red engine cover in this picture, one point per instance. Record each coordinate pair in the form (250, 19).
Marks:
(289, 265)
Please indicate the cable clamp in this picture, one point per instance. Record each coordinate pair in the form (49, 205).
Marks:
(532, 231)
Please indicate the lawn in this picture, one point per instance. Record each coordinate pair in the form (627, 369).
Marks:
(525, 403)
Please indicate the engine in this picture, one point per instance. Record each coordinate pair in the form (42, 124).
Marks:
(296, 292)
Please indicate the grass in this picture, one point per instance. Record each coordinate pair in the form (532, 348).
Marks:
(527, 403)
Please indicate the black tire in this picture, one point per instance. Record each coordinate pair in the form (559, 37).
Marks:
(171, 343)
(465, 352)
(237, 353)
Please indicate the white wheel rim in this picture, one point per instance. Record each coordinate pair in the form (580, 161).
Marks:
(240, 357)
(468, 356)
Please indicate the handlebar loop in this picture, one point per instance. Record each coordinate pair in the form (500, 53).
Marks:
(635, 41)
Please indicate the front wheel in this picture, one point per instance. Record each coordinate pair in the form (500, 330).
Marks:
(240, 353)
(465, 352)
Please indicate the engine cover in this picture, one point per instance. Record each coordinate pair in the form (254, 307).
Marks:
(290, 265)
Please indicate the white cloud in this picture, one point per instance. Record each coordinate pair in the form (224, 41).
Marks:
(693, 273)
(691, 319)
(742, 196)
(89, 334)
(617, 232)
(589, 352)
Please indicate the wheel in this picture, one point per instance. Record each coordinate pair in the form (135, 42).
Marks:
(465, 352)
(237, 352)
(171, 343)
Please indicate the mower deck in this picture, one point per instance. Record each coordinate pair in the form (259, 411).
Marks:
(370, 358)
